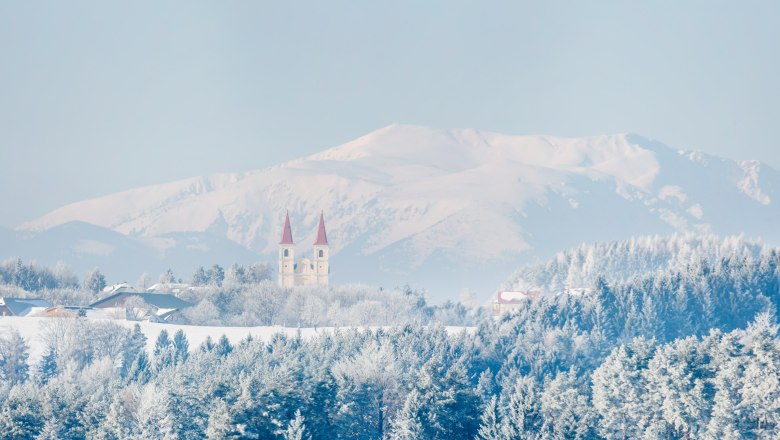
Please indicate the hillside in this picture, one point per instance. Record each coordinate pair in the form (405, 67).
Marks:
(447, 209)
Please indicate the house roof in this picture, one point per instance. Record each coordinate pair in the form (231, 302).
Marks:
(159, 300)
(322, 237)
(287, 233)
(22, 306)
(515, 297)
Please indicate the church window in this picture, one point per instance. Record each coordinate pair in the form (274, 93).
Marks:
(286, 253)
(321, 253)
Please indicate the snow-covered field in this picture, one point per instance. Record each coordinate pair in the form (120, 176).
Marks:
(32, 330)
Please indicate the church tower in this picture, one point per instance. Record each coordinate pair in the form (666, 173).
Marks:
(286, 256)
(321, 266)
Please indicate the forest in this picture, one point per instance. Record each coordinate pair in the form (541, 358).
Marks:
(680, 350)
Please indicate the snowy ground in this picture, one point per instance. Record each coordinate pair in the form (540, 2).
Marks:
(32, 328)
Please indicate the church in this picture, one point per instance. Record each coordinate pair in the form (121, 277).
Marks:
(305, 272)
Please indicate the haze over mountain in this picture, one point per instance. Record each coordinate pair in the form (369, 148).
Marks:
(440, 209)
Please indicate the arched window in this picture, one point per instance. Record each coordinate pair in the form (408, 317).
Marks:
(322, 253)
(286, 252)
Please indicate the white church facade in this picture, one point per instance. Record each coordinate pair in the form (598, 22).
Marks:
(305, 272)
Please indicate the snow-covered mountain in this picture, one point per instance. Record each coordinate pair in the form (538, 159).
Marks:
(450, 209)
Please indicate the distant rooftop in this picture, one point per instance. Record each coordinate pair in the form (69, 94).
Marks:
(158, 300)
(22, 306)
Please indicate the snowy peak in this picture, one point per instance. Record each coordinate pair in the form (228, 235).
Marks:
(408, 147)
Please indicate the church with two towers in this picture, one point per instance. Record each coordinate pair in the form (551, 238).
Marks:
(305, 272)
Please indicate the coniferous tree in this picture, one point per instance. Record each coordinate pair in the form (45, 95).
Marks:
(490, 427)
(223, 347)
(47, 368)
(140, 371)
(296, 429)
(164, 352)
(181, 347)
(13, 358)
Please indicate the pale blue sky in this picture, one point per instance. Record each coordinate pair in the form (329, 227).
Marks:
(97, 97)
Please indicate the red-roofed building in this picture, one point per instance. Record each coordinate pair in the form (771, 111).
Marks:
(305, 272)
(509, 300)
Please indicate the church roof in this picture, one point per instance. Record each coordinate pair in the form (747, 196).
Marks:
(287, 234)
(322, 237)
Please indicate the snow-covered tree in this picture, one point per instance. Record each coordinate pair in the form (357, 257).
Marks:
(14, 353)
(296, 429)
(94, 281)
(621, 393)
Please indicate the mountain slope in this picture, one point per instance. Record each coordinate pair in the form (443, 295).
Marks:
(410, 203)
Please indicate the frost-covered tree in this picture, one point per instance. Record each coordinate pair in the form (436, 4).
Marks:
(490, 426)
(216, 275)
(620, 391)
(167, 277)
(94, 281)
(14, 353)
(199, 277)
(140, 369)
(761, 381)
(47, 368)
(21, 416)
(181, 347)
(152, 417)
(566, 408)
(296, 429)
(164, 351)
(523, 413)
(219, 426)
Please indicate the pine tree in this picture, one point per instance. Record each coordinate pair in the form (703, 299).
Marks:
(22, 416)
(181, 347)
(565, 408)
(761, 381)
(407, 424)
(207, 345)
(490, 427)
(164, 351)
(13, 358)
(296, 429)
(219, 425)
(140, 370)
(48, 366)
(153, 417)
(223, 347)
(620, 391)
(135, 344)
(523, 418)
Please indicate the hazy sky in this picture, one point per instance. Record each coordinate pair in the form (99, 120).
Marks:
(97, 97)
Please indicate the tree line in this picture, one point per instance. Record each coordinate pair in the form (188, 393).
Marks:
(687, 353)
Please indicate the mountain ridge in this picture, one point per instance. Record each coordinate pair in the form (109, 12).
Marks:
(405, 195)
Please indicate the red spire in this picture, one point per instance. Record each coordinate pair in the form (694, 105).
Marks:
(322, 238)
(287, 234)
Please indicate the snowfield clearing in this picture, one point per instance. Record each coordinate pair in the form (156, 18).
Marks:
(32, 330)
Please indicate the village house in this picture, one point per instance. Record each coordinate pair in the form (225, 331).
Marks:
(23, 306)
(510, 300)
(143, 306)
